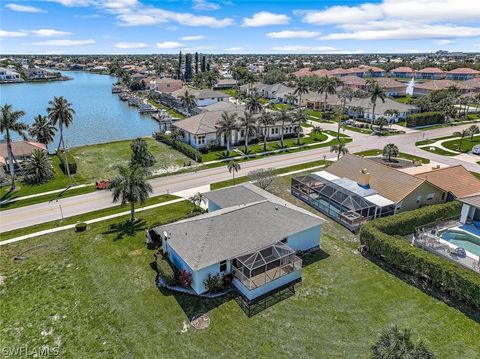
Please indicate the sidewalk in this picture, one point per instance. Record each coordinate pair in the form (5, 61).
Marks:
(45, 193)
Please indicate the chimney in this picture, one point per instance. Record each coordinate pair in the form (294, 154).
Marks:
(364, 180)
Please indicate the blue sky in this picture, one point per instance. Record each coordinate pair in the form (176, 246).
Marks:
(224, 26)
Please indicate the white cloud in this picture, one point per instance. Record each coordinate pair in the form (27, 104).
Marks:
(193, 38)
(234, 49)
(399, 19)
(24, 8)
(303, 49)
(49, 32)
(64, 42)
(170, 45)
(287, 34)
(445, 42)
(205, 5)
(265, 18)
(130, 45)
(4, 33)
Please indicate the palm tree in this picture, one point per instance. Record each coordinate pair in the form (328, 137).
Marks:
(283, 116)
(317, 130)
(328, 86)
(250, 79)
(389, 151)
(38, 168)
(357, 111)
(130, 186)
(301, 88)
(225, 126)
(340, 149)
(211, 78)
(290, 98)
(299, 119)
(462, 135)
(249, 124)
(60, 112)
(391, 113)
(42, 130)
(10, 122)
(346, 94)
(233, 167)
(265, 120)
(188, 101)
(473, 130)
(253, 103)
(380, 122)
(375, 92)
(394, 343)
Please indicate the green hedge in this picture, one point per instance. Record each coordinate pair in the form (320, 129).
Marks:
(72, 164)
(166, 271)
(425, 118)
(384, 239)
(80, 227)
(187, 150)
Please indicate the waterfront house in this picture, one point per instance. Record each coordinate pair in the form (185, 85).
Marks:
(354, 190)
(21, 151)
(403, 72)
(430, 73)
(462, 74)
(200, 130)
(166, 85)
(9, 75)
(203, 97)
(249, 234)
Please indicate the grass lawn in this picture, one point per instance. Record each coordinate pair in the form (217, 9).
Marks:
(230, 92)
(467, 144)
(406, 156)
(280, 106)
(438, 151)
(93, 294)
(288, 142)
(98, 161)
(313, 113)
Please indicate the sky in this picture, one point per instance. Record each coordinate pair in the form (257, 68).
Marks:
(238, 26)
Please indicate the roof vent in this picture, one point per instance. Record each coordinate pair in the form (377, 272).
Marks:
(364, 178)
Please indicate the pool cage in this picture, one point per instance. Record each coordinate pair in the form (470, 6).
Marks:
(265, 265)
(338, 202)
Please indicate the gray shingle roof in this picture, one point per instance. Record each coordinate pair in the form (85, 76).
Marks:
(233, 196)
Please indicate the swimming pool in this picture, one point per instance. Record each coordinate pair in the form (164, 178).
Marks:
(469, 242)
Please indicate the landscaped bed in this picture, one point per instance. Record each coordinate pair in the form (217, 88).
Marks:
(93, 294)
(467, 144)
(403, 155)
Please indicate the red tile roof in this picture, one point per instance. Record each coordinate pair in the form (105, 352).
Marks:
(430, 70)
(464, 70)
(403, 69)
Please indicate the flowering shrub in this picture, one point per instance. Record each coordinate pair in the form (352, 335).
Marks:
(185, 278)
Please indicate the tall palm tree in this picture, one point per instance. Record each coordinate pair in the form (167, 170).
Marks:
(10, 122)
(249, 125)
(328, 86)
(188, 101)
(381, 122)
(389, 151)
(60, 112)
(42, 130)
(357, 111)
(375, 92)
(253, 103)
(250, 79)
(299, 119)
(290, 98)
(130, 186)
(38, 168)
(211, 78)
(283, 116)
(392, 113)
(462, 134)
(473, 130)
(340, 149)
(346, 94)
(233, 167)
(225, 126)
(301, 88)
(317, 130)
(265, 120)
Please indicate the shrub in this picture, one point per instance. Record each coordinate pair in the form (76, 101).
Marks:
(211, 146)
(80, 227)
(187, 150)
(185, 278)
(72, 164)
(166, 270)
(213, 283)
(396, 343)
(384, 239)
(425, 118)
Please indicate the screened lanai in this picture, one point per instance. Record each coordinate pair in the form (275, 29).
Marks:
(340, 198)
(265, 265)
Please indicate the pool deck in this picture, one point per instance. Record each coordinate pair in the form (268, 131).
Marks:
(470, 228)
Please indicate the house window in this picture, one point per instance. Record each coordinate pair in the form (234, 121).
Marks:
(201, 140)
(273, 131)
(430, 196)
(223, 266)
(276, 130)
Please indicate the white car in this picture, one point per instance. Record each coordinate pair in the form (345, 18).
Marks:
(476, 150)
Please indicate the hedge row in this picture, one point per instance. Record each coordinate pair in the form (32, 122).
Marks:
(72, 164)
(187, 150)
(425, 118)
(384, 239)
(166, 271)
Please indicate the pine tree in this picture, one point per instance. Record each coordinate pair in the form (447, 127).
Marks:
(196, 63)
(179, 70)
(188, 68)
(204, 63)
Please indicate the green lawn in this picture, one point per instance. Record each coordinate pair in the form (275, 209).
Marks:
(467, 144)
(230, 92)
(406, 156)
(98, 161)
(288, 142)
(438, 151)
(93, 294)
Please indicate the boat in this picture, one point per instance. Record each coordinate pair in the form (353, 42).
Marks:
(147, 108)
(124, 96)
(133, 101)
(117, 89)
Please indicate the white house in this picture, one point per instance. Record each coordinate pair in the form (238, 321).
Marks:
(248, 233)
(9, 75)
(470, 210)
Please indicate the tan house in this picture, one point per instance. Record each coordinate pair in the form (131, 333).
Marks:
(392, 87)
(21, 150)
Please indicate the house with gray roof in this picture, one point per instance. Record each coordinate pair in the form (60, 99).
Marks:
(248, 233)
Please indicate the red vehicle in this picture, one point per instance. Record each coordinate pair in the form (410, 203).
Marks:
(102, 184)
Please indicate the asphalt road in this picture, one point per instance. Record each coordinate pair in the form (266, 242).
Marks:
(44, 212)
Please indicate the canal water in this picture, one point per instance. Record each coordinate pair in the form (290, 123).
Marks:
(100, 115)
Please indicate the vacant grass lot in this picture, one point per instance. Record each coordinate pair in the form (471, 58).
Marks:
(98, 161)
(93, 295)
(467, 144)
